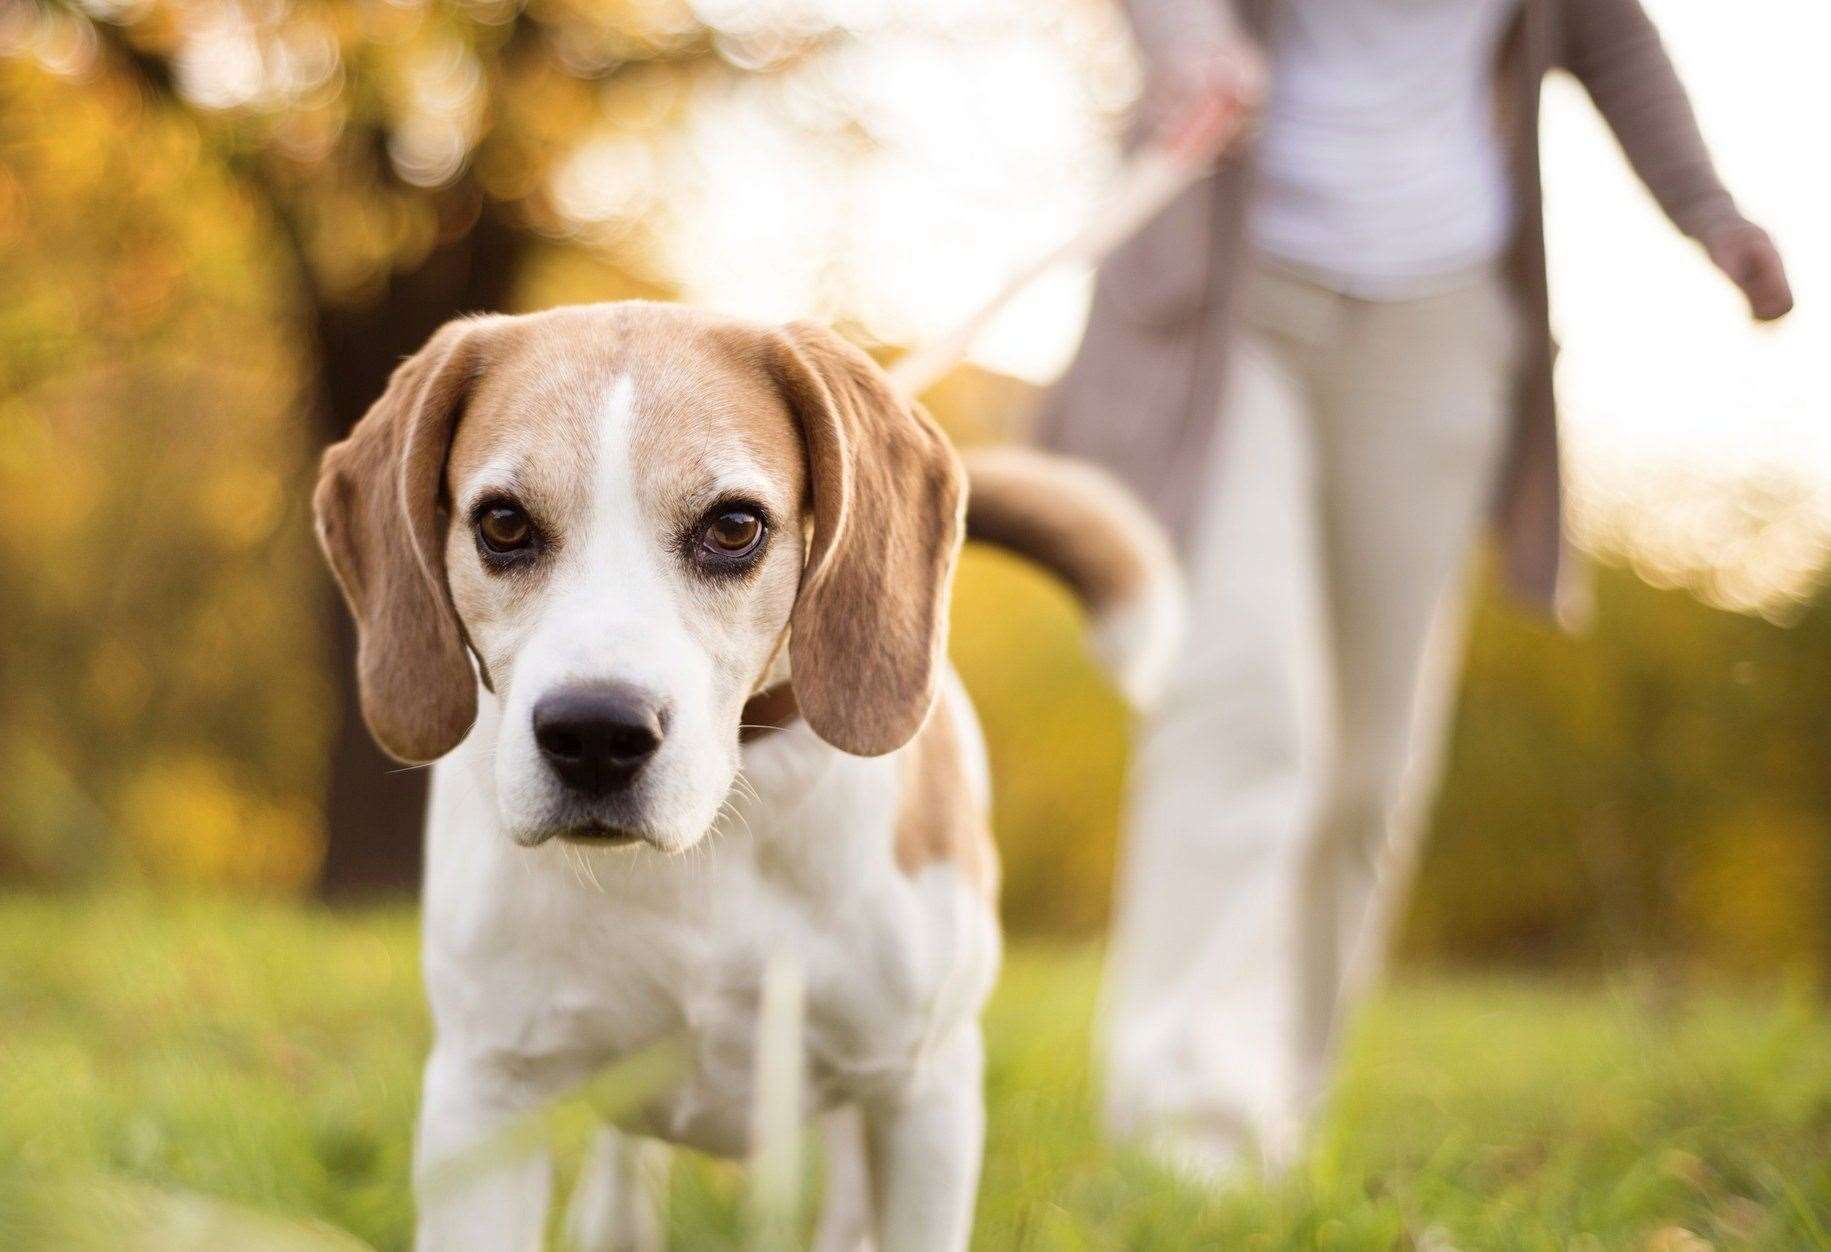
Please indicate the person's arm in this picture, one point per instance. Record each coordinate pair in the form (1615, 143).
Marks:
(1615, 51)
(1193, 49)
(1168, 30)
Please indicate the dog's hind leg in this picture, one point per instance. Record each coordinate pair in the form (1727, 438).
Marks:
(619, 1203)
(845, 1200)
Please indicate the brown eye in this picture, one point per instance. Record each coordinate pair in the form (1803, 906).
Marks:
(733, 533)
(503, 528)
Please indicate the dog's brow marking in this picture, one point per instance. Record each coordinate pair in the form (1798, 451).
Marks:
(745, 478)
(500, 475)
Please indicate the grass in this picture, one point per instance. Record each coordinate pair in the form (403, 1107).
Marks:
(158, 1057)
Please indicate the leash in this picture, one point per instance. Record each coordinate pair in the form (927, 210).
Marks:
(1181, 155)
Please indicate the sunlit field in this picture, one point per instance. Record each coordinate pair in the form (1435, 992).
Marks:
(215, 1075)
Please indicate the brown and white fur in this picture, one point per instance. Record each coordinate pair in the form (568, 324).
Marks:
(567, 927)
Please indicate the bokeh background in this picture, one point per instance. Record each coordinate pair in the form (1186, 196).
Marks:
(223, 221)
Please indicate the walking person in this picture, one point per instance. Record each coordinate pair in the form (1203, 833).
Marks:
(1326, 365)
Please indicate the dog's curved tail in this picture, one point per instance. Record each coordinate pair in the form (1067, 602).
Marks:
(1077, 522)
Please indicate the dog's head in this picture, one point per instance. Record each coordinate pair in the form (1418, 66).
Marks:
(633, 516)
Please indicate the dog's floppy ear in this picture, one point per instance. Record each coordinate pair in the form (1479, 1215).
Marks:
(379, 519)
(868, 636)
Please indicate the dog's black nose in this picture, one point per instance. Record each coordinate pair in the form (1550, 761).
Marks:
(597, 738)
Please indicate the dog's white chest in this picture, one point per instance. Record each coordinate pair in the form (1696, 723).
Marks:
(564, 961)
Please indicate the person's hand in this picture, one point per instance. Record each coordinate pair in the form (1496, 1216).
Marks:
(1743, 251)
(1217, 86)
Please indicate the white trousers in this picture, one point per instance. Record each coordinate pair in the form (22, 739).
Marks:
(1277, 794)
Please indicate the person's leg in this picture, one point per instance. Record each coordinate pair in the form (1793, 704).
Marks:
(1226, 781)
(1411, 425)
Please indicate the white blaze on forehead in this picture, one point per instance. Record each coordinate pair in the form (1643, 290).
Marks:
(626, 594)
(613, 611)
(613, 487)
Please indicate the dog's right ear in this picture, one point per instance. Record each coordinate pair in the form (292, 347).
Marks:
(379, 517)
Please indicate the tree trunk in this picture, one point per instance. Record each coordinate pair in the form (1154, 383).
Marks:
(373, 806)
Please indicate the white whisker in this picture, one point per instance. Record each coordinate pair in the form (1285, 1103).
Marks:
(734, 811)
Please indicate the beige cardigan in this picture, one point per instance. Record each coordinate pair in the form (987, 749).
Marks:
(1142, 395)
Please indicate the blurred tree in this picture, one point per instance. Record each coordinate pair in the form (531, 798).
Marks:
(145, 383)
(404, 155)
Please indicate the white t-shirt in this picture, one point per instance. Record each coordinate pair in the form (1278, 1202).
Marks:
(1382, 172)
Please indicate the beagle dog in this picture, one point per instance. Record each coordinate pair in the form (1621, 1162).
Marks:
(665, 596)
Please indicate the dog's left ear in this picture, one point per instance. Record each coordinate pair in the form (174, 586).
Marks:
(868, 636)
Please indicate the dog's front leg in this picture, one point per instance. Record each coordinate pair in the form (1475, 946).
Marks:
(845, 1204)
(925, 1146)
(476, 1191)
